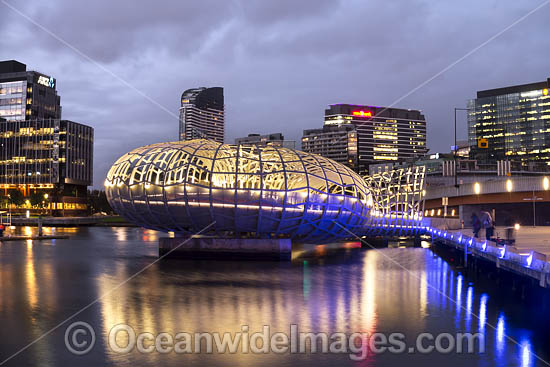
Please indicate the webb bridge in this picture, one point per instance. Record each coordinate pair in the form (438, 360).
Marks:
(250, 199)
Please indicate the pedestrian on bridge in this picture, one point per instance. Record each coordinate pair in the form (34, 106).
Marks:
(476, 225)
(488, 224)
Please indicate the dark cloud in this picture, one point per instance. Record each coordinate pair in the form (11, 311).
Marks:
(281, 62)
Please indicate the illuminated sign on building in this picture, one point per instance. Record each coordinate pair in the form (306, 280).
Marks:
(362, 113)
(483, 143)
(45, 81)
(545, 91)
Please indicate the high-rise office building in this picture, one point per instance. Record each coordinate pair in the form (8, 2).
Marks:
(275, 139)
(338, 143)
(383, 134)
(202, 114)
(27, 95)
(50, 156)
(511, 123)
(40, 154)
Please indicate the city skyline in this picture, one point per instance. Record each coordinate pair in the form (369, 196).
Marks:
(127, 86)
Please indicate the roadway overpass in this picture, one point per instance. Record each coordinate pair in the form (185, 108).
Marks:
(519, 199)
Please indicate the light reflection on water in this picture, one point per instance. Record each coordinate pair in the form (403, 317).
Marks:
(351, 290)
(483, 312)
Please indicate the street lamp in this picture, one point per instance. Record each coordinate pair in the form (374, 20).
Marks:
(456, 145)
(509, 185)
(477, 188)
(9, 206)
(534, 198)
(45, 202)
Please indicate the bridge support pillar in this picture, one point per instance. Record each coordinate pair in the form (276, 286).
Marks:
(199, 247)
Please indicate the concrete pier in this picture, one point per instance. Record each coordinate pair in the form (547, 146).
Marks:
(202, 247)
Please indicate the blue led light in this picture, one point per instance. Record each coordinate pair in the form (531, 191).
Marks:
(530, 259)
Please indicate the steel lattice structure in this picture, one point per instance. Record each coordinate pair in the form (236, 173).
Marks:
(255, 191)
(399, 200)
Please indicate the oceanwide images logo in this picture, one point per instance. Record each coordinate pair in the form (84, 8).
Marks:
(123, 339)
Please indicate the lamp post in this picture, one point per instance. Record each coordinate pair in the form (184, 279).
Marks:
(46, 202)
(456, 147)
(9, 207)
(545, 187)
(534, 198)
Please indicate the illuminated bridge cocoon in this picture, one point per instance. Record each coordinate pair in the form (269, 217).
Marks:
(252, 191)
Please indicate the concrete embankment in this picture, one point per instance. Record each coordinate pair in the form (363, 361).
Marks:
(110, 221)
(44, 237)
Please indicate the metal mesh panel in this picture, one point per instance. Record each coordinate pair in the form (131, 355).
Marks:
(398, 204)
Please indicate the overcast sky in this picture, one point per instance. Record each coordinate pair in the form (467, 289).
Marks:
(122, 65)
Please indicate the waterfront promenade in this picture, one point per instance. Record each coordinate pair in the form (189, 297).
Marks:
(528, 257)
(527, 238)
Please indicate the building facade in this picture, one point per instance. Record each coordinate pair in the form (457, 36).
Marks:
(275, 139)
(202, 114)
(27, 95)
(338, 143)
(381, 134)
(52, 158)
(511, 123)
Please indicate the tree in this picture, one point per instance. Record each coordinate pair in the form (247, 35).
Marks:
(4, 200)
(97, 202)
(36, 199)
(16, 197)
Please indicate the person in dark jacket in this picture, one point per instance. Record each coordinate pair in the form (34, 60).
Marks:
(488, 224)
(476, 225)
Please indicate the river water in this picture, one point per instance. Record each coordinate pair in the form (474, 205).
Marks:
(108, 277)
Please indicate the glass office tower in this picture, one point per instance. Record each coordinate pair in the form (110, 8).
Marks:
(202, 114)
(511, 123)
(53, 157)
(338, 143)
(384, 134)
(27, 95)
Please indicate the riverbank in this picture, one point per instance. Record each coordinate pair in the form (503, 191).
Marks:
(43, 237)
(98, 221)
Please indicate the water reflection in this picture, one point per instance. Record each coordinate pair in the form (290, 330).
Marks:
(30, 277)
(483, 312)
(526, 354)
(500, 335)
(469, 302)
(458, 301)
(352, 290)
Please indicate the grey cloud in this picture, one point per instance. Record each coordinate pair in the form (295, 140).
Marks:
(281, 62)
